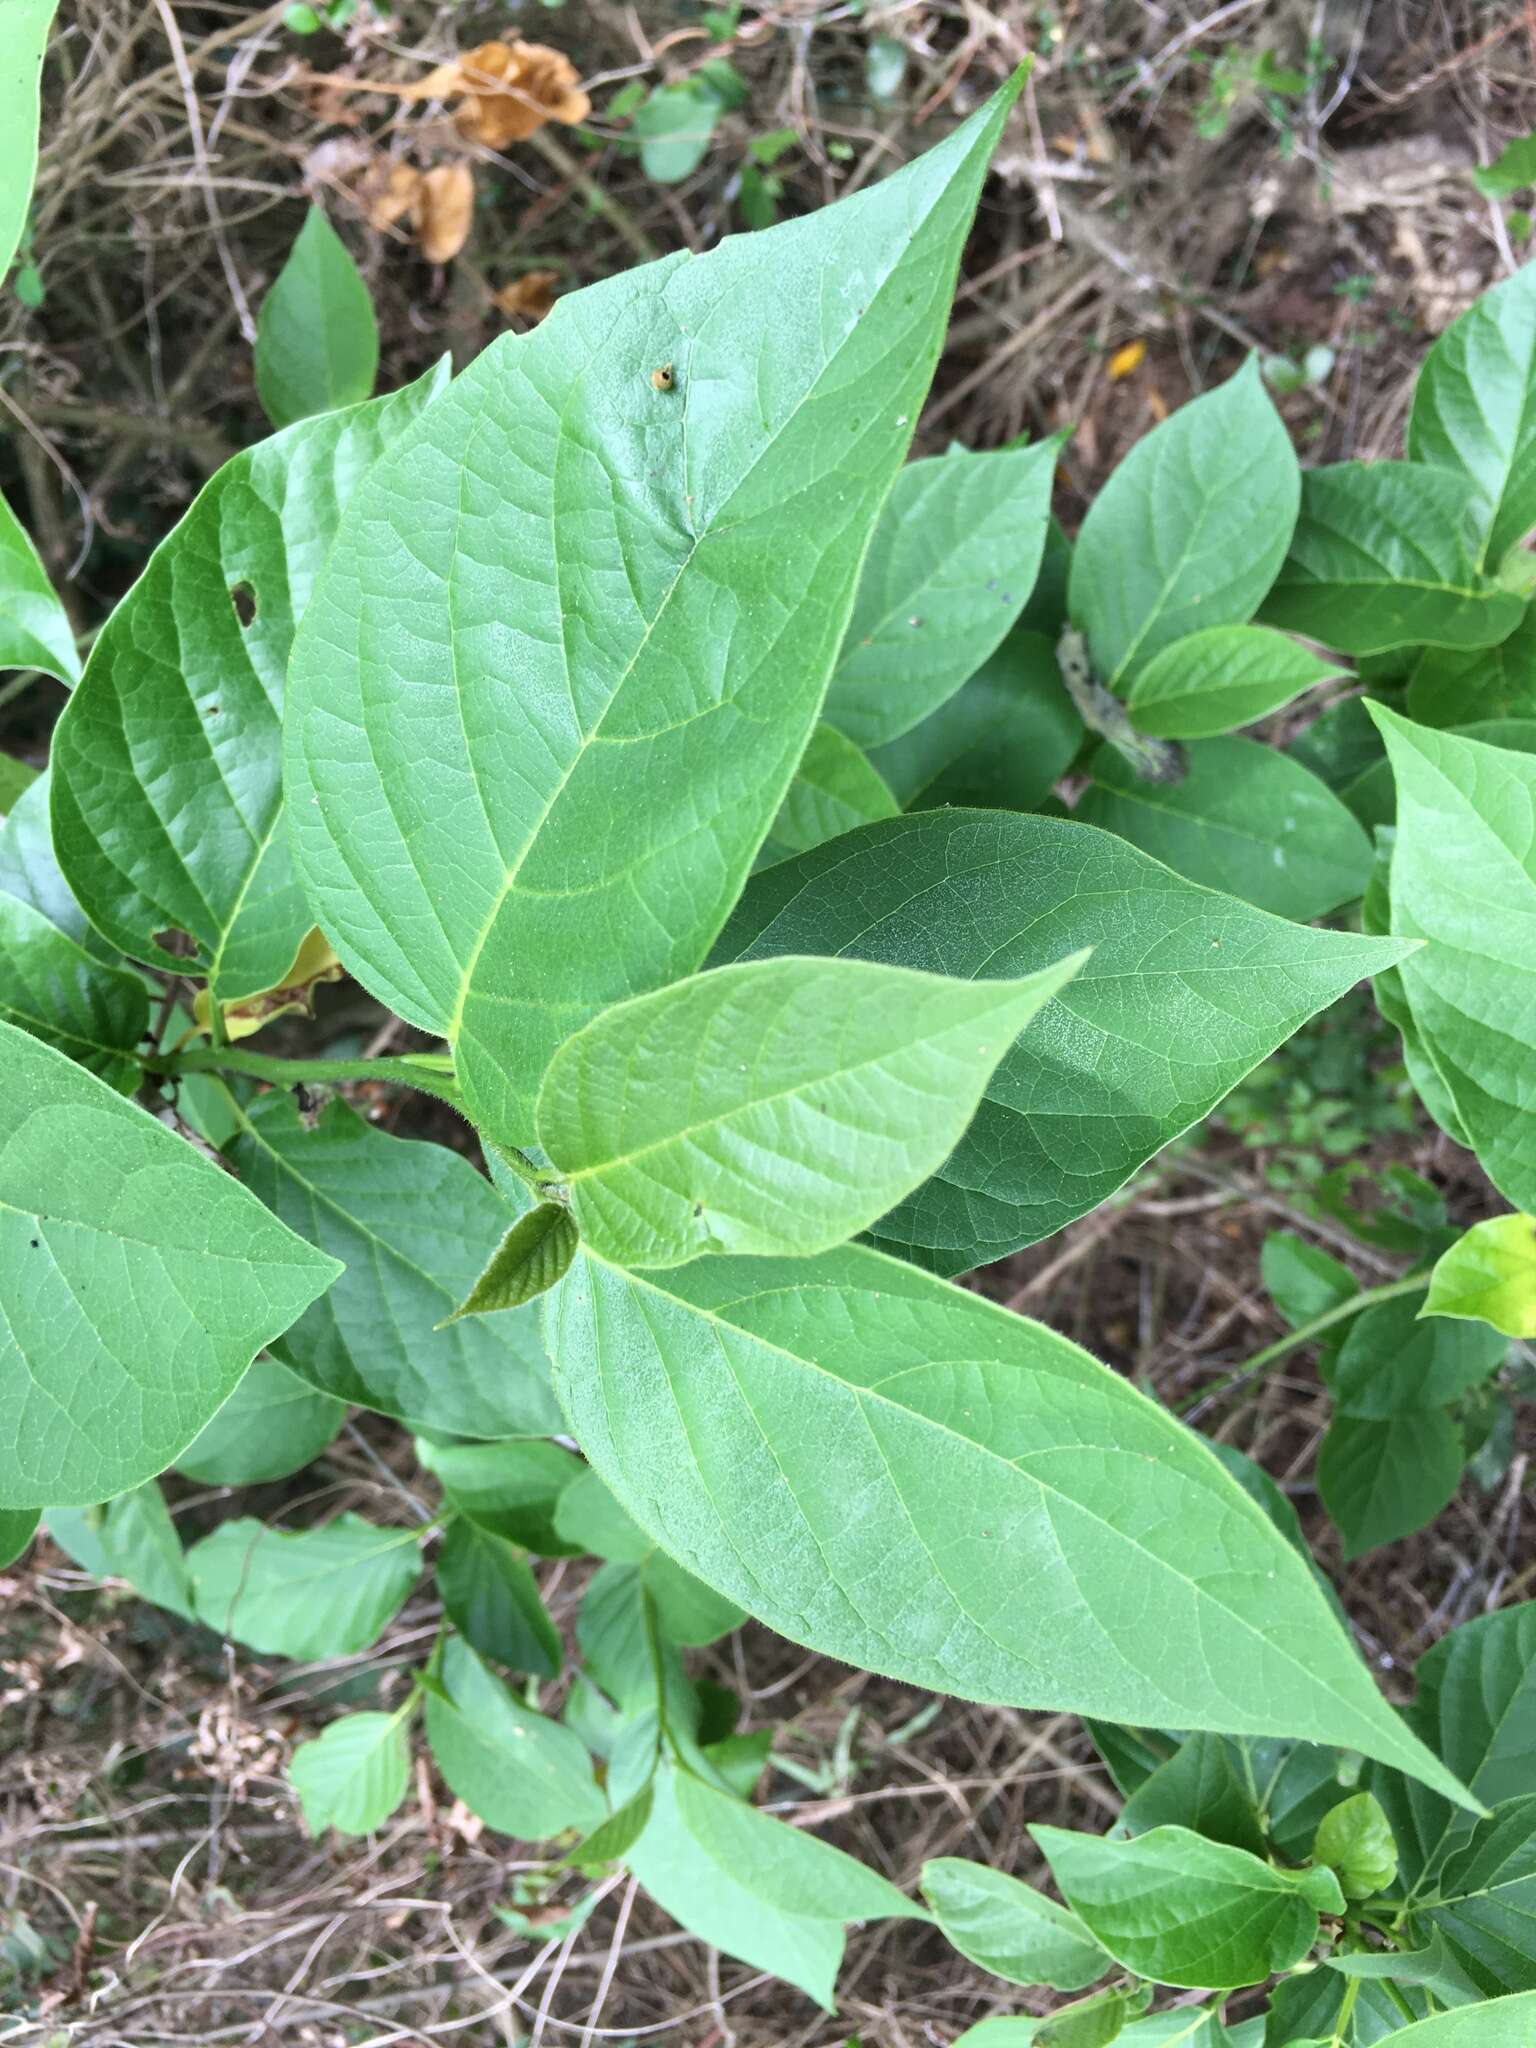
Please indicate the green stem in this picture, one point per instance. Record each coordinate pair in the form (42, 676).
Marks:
(1308, 1333)
(432, 1073)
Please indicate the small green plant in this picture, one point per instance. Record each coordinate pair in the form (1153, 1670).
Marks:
(615, 714)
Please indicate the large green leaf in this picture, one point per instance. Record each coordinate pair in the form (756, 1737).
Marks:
(1499, 2023)
(1490, 1274)
(415, 1225)
(1395, 1358)
(1381, 559)
(1190, 529)
(1474, 410)
(34, 627)
(775, 1107)
(1002, 740)
(167, 769)
(521, 1772)
(29, 870)
(1221, 678)
(1241, 817)
(1185, 992)
(52, 988)
(901, 1474)
(1010, 1928)
(569, 597)
(1464, 878)
(137, 1282)
(954, 555)
(271, 1425)
(1487, 1910)
(1476, 1707)
(1383, 1478)
(1177, 1908)
(353, 1776)
(311, 1593)
(317, 342)
(769, 1894)
(26, 34)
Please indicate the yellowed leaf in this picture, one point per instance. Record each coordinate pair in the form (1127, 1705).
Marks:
(313, 963)
(514, 88)
(442, 210)
(1126, 360)
(531, 296)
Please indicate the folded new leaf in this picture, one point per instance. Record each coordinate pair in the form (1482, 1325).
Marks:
(774, 1108)
(1172, 1906)
(527, 1262)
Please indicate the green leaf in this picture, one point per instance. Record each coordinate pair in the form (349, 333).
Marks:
(17, 1528)
(1340, 744)
(131, 1538)
(770, 1895)
(1307, 2011)
(16, 778)
(522, 1773)
(835, 788)
(1214, 681)
(775, 1107)
(317, 342)
(1190, 529)
(1010, 1928)
(1030, 1529)
(137, 1281)
(1490, 1274)
(481, 687)
(612, 1840)
(1511, 171)
(353, 1776)
(1433, 1967)
(1354, 1839)
(1303, 1281)
(415, 1225)
(1090, 2022)
(1199, 1788)
(28, 870)
(1464, 878)
(1276, 1503)
(528, 1261)
(1171, 1906)
(1474, 410)
(1176, 2028)
(1186, 991)
(34, 627)
(675, 127)
(512, 1488)
(272, 1424)
(1383, 1479)
(1458, 686)
(26, 32)
(1500, 2023)
(625, 1602)
(1476, 1707)
(1487, 1910)
(953, 558)
(1382, 559)
(1243, 818)
(305, 1593)
(1001, 741)
(1396, 1358)
(52, 988)
(492, 1598)
(167, 771)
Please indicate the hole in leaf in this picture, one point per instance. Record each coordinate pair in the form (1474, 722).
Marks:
(180, 943)
(243, 598)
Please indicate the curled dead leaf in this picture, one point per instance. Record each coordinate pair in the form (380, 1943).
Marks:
(389, 192)
(508, 91)
(441, 210)
(313, 963)
(531, 296)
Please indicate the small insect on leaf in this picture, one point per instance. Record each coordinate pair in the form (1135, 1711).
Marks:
(663, 378)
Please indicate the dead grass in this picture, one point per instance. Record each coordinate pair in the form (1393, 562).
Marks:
(145, 1832)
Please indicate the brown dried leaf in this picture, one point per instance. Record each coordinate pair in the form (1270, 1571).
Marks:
(531, 296)
(513, 89)
(442, 210)
(390, 191)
